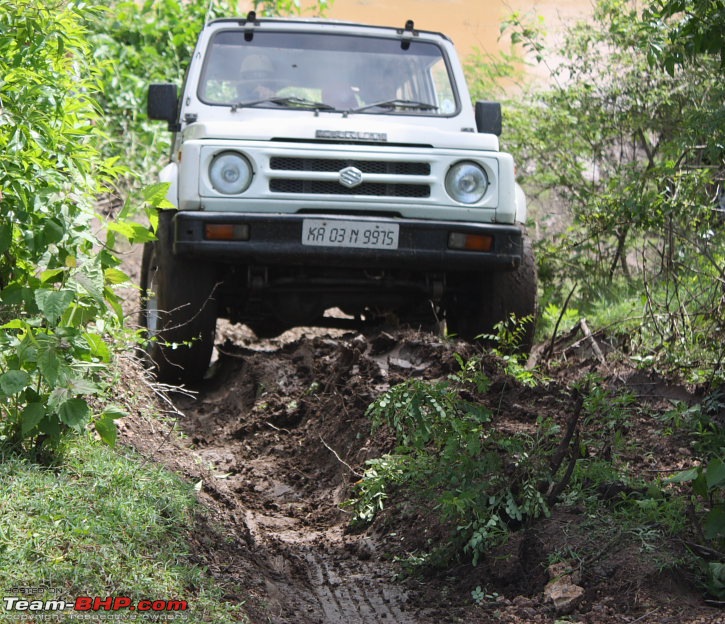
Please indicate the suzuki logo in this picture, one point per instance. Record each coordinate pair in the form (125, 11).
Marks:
(351, 177)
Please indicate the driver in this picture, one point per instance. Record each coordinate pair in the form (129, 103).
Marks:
(256, 74)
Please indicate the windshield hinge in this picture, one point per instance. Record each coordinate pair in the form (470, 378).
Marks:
(407, 34)
(249, 23)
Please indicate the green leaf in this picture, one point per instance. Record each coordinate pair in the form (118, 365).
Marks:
(14, 381)
(106, 429)
(99, 348)
(52, 303)
(115, 276)
(699, 485)
(713, 525)
(716, 579)
(31, 417)
(16, 294)
(53, 231)
(50, 425)
(50, 275)
(6, 237)
(715, 473)
(91, 280)
(155, 194)
(83, 386)
(115, 304)
(15, 324)
(134, 232)
(685, 476)
(48, 361)
(75, 413)
(114, 412)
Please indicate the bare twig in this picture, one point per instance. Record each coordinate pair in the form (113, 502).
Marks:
(646, 615)
(566, 447)
(342, 461)
(550, 350)
(590, 337)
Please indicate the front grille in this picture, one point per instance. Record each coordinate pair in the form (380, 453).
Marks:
(283, 163)
(395, 188)
(372, 189)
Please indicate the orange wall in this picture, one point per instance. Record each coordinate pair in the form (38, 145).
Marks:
(470, 23)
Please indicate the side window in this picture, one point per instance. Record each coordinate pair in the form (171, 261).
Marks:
(444, 96)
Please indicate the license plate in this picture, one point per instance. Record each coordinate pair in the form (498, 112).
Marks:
(361, 234)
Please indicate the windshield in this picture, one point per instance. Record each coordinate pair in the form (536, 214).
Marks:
(327, 72)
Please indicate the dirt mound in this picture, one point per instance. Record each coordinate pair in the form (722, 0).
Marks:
(275, 440)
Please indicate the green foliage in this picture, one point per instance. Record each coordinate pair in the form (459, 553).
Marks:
(625, 164)
(684, 30)
(526, 31)
(708, 482)
(487, 74)
(482, 482)
(507, 339)
(56, 284)
(607, 414)
(482, 595)
(60, 66)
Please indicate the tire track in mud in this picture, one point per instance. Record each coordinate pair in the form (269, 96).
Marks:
(347, 594)
(283, 426)
(317, 580)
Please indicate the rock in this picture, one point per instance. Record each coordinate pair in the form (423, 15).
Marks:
(523, 601)
(561, 590)
(565, 595)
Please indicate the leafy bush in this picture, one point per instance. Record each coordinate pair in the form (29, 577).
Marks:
(56, 282)
(61, 66)
(480, 480)
(625, 164)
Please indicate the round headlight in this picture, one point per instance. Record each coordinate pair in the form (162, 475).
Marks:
(230, 173)
(466, 182)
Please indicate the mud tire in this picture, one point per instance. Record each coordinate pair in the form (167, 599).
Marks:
(494, 297)
(178, 309)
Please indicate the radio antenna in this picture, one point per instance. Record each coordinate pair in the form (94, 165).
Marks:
(208, 12)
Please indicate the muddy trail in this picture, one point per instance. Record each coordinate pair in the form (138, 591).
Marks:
(276, 438)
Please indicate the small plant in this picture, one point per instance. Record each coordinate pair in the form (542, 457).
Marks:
(708, 486)
(482, 595)
(482, 482)
(372, 490)
(510, 335)
(607, 416)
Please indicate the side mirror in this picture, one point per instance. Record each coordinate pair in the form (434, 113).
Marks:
(488, 117)
(162, 103)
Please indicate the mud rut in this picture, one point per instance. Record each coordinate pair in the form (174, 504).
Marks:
(280, 434)
(277, 437)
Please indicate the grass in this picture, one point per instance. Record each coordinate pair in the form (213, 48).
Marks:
(102, 523)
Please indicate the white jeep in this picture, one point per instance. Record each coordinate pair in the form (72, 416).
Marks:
(320, 164)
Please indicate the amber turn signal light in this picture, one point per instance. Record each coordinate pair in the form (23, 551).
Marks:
(226, 231)
(470, 242)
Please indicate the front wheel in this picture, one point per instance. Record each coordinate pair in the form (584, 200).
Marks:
(178, 309)
(483, 301)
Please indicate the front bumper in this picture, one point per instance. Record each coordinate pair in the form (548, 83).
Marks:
(275, 239)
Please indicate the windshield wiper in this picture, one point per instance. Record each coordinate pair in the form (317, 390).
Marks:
(286, 101)
(411, 104)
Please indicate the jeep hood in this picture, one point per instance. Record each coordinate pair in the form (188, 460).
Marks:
(368, 129)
